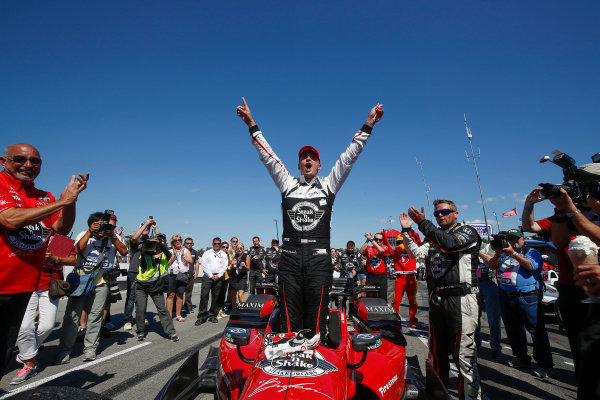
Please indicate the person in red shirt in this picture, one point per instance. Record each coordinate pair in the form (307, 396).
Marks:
(28, 217)
(375, 256)
(406, 277)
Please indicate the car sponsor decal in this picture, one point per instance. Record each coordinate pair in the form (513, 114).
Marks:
(278, 386)
(388, 385)
(30, 237)
(305, 216)
(380, 309)
(298, 365)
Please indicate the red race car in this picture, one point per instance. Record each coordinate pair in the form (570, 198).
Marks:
(360, 359)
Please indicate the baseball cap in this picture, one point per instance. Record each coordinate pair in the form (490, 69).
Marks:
(514, 232)
(307, 148)
(113, 217)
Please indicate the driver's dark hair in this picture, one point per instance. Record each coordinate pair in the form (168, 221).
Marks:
(350, 242)
(449, 202)
(95, 217)
(256, 237)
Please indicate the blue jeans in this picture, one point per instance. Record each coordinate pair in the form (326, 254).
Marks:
(130, 301)
(525, 313)
(489, 291)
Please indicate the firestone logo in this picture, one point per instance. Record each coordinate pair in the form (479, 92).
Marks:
(388, 385)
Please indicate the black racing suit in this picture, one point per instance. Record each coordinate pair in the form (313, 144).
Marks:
(272, 259)
(257, 264)
(305, 269)
(451, 258)
(348, 262)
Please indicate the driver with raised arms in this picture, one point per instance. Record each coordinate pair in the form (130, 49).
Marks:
(307, 202)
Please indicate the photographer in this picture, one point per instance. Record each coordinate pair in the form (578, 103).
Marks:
(135, 244)
(96, 251)
(568, 221)
(153, 275)
(520, 293)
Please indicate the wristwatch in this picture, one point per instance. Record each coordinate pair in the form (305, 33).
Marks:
(572, 214)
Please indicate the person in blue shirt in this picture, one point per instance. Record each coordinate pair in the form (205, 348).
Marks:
(518, 276)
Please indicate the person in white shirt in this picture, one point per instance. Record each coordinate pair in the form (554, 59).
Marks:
(214, 264)
(179, 266)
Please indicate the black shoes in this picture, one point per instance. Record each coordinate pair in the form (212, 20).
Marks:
(200, 321)
(214, 320)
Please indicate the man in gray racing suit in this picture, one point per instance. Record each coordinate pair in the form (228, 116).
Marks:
(451, 256)
(307, 202)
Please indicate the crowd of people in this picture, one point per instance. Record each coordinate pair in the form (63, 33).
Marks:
(460, 272)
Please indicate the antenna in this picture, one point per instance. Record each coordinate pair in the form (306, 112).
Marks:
(475, 158)
(427, 190)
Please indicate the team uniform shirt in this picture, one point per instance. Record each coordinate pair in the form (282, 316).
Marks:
(257, 258)
(512, 277)
(23, 250)
(376, 259)
(194, 255)
(349, 262)
(403, 264)
(272, 258)
(50, 271)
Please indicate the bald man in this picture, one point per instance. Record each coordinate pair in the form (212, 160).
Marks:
(28, 217)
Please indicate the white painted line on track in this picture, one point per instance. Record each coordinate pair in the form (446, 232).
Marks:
(85, 365)
(569, 363)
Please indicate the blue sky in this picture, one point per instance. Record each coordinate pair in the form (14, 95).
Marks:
(143, 94)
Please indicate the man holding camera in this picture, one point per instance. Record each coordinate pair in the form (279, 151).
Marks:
(520, 293)
(582, 218)
(96, 251)
(28, 217)
(450, 253)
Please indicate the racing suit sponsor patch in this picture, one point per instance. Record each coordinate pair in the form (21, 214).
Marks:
(30, 237)
(305, 216)
(299, 365)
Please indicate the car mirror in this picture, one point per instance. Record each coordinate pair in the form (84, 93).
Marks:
(366, 341)
(237, 336)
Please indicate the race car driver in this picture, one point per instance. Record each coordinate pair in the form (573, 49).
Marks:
(307, 202)
(451, 256)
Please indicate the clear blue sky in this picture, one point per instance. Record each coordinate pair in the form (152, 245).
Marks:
(143, 94)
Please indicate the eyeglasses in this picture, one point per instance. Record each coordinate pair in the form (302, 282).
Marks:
(443, 212)
(23, 160)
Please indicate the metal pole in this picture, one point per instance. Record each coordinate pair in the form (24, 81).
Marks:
(469, 137)
(497, 223)
(276, 228)
(426, 189)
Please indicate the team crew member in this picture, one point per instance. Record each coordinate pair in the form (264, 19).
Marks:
(375, 256)
(405, 270)
(451, 257)
(28, 217)
(272, 258)
(305, 267)
(256, 261)
(350, 261)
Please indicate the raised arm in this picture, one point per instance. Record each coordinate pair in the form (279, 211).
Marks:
(529, 224)
(343, 165)
(277, 170)
(414, 250)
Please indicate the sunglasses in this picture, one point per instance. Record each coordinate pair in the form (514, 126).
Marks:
(23, 160)
(443, 212)
(186, 243)
(378, 240)
(225, 247)
(217, 244)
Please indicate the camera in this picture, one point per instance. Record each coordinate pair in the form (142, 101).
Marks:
(499, 241)
(149, 246)
(106, 227)
(576, 182)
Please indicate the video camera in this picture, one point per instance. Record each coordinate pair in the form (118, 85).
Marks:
(499, 241)
(576, 182)
(106, 227)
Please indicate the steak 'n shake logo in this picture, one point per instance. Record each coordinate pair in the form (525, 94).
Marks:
(299, 365)
(30, 237)
(305, 216)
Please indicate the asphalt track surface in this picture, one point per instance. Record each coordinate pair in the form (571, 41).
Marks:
(126, 369)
